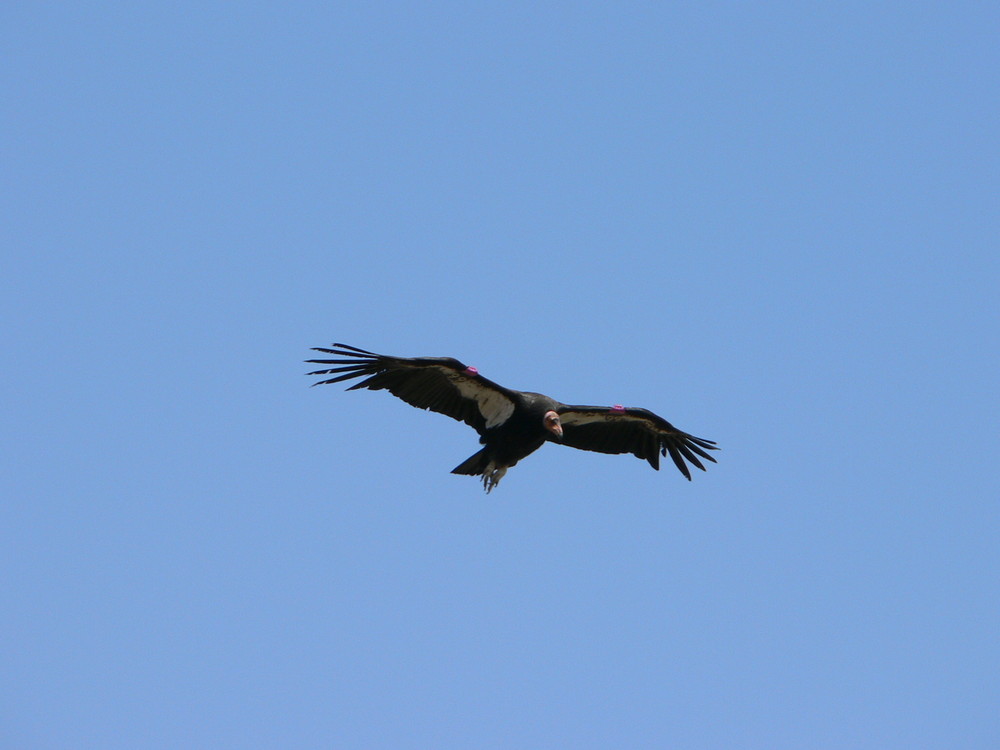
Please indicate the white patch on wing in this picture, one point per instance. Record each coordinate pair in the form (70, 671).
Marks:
(495, 407)
(580, 417)
(586, 417)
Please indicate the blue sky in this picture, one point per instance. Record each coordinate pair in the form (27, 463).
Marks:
(774, 224)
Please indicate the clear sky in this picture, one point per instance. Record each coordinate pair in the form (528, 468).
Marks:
(775, 224)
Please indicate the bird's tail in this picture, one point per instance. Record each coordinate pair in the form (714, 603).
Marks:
(482, 464)
(474, 465)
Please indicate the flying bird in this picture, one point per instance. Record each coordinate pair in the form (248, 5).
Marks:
(512, 424)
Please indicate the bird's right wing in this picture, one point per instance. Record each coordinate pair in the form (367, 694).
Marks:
(441, 384)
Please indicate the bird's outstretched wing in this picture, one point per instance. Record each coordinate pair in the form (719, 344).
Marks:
(441, 384)
(615, 429)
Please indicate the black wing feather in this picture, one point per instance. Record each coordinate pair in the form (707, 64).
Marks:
(637, 431)
(441, 384)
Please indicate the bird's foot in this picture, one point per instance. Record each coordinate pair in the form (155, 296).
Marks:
(492, 477)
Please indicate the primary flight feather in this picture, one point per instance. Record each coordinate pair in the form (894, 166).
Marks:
(512, 424)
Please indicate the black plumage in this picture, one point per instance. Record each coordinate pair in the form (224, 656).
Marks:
(512, 424)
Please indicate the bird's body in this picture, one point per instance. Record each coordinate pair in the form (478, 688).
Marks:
(507, 443)
(512, 424)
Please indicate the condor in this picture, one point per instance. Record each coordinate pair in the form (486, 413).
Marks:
(512, 424)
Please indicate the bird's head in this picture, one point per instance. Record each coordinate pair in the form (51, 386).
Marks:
(552, 424)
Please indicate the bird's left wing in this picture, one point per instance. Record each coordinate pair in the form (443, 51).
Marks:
(616, 429)
(441, 384)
